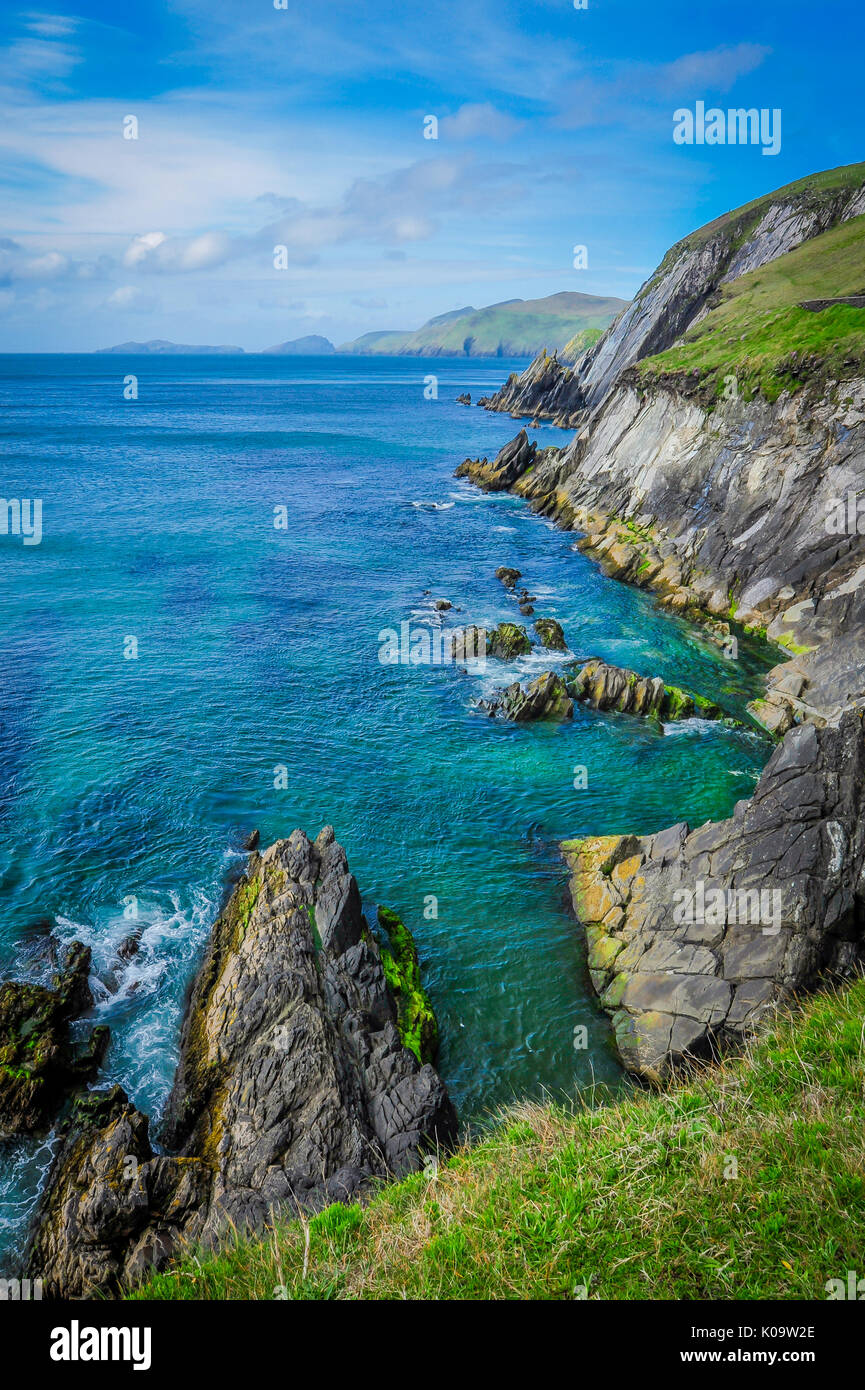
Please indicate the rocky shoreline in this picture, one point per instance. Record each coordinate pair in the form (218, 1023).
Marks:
(718, 504)
(300, 1083)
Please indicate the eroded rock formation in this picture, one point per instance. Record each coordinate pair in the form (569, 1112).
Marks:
(294, 1088)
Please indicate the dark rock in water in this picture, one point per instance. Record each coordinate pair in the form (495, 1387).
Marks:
(443, 604)
(507, 641)
(510, 464)
(546, 697)
(527, 610)
(293, 1089)
(465, 398)
(508, 576)
(550, 634)
(39, 1066)
(608, 687)
(252, 841)
(129, 946)
(694, 935)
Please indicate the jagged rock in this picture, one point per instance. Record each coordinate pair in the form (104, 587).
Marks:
(693, 934)
(293, 1089)
(508, 641)
(40, 1066)
(510, 463)
(252, 841)
(550, 634)
(719, 505)
(608, 687)
(508, 576)
(546, 697)
(112, 1209)
(442, 605)
(465, 398)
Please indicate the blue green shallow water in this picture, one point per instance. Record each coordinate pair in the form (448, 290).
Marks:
(138, 779)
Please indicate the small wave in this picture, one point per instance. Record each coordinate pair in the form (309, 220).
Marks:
(434, 506)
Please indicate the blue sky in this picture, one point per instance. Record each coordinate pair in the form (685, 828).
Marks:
(304, 127)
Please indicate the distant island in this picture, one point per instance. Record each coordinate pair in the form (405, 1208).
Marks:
(311, 346)
(160, 347)
(567, 323)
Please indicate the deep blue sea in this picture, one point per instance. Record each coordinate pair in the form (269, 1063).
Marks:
(131, 772)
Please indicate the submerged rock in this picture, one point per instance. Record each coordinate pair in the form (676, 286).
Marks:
(39, 1064)
(293, 1089)
(694, 934)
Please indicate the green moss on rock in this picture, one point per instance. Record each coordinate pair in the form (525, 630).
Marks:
(416, 1020)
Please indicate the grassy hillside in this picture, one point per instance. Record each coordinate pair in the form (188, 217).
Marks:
(515, 328)
(813, 188)
(633, 1200)
(757, 332)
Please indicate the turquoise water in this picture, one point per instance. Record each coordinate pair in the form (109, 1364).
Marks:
(128, 785)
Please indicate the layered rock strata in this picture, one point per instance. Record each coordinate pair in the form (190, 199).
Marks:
(293, 1090)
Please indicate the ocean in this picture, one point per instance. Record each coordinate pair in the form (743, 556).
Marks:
(192, 650)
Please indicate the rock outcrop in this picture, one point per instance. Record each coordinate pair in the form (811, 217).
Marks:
(550, 634)
(294, 1088)
(40, 1064)
(600, 686)
(546, 697)
(694, 934)
(683, 287)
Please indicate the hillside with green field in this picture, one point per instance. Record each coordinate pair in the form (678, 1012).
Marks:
(744, 1181)
(758, 332)
(514, 328)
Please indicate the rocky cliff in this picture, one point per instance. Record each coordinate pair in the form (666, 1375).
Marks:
(685, 285)
(694, 934)
(294, 1088)
(719, 463)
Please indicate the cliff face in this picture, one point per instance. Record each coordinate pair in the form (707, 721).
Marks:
(726, 504)
(294, 1089)
(724, 512)
(694, 934)
(681, 289)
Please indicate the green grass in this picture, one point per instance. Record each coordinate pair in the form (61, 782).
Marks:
(625, 1201)
(810, 191)
(757, 328)
(516, 328)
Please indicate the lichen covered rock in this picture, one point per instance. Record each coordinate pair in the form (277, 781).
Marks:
(40, 1066)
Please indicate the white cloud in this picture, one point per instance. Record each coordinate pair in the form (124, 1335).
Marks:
(478, 120)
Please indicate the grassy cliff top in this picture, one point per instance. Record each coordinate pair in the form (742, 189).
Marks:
(814, 188)
(745, 1181)
(757, 327)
